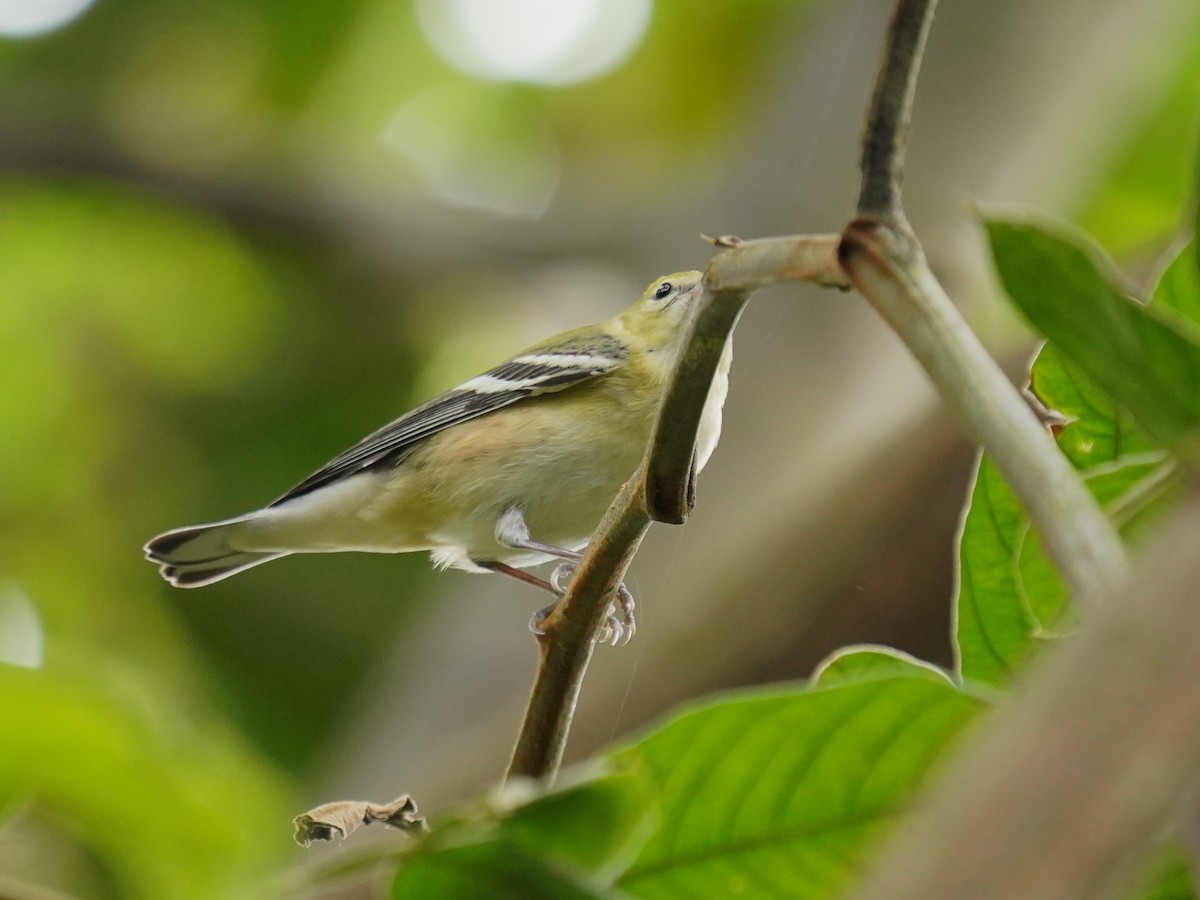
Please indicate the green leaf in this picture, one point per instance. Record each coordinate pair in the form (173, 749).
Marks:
(863, 661)
(1147, 359)
(780, 793)
(1179, 284)
(1167, 877)
(763, 794)
(572, 841)
(597, 823)
(994, 627)
(1135, 195)
(1010, 599)
(170, 809)
(495, 870)
(1196, 208)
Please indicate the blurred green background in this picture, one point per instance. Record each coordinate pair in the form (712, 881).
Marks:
(236, 236)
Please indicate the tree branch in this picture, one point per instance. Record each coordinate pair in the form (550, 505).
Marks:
(885, 262)
(1062, 793)
(881, 257)
(747, 265)
(887, 266)
(731, 275)
(891, 108)
(1106, 732)
(670, 491)
(570, 632)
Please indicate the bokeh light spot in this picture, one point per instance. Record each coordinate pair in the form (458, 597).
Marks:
(28, 18)
(21, 635)
(541, 41)
(477, 147)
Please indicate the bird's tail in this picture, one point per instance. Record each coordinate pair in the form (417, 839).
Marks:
(202, 554)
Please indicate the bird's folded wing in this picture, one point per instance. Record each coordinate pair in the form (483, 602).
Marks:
(533, 373)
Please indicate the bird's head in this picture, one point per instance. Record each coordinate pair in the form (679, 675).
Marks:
(658, 318)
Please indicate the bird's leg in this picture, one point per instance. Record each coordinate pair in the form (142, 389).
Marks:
(511, 531)
(535, 623)
(512, 572)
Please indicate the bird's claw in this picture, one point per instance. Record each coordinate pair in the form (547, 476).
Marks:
(536, 620)
(561, 571)
(620, 624)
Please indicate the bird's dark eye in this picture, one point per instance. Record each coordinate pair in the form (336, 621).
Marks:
(663, 289)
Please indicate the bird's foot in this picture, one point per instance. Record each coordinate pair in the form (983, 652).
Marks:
(620, 623)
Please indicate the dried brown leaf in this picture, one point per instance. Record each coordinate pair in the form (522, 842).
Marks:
(342, 818)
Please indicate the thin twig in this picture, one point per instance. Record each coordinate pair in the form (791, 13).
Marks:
(669, 488)
(569, 634)
(1064, 791)
(746, 265)
(891, 108)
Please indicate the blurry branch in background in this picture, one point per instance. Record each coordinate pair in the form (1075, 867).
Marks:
(660, 490)
(1060, 795)
(1064, 792)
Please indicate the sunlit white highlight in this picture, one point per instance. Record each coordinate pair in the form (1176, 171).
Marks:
(28, 18)
(21, 636)
(512, 171)
(542, 41)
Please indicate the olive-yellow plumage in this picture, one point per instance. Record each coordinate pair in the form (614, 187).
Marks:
(521, 460)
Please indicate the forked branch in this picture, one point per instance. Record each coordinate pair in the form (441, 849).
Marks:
(885, 262)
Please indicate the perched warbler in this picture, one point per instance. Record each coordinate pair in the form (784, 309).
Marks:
(514, 468)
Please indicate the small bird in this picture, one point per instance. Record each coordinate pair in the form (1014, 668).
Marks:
(509, 470)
